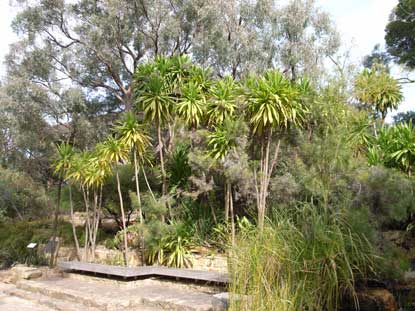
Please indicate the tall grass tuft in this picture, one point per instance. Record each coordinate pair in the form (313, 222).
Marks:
(302, 260)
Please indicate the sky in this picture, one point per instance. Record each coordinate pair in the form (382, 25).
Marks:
(361, 24)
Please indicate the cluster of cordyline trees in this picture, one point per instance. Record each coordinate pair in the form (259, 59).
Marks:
(171, 90)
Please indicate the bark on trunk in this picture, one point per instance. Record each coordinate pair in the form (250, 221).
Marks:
(137, 186)
(148, 184)
(85, 193)
(226, 195)
(75, 237)
(55, 221)
(123, 220)
(265, 172)
(232, 214)
(163, 171)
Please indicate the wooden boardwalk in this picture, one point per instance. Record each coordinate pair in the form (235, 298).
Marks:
(145, 271)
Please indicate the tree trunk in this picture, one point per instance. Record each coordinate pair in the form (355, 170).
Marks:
(97, 220)
(128, 100)
(56, 220)
(87, 223)
(232, 214)
(75, 237)
(382, 121)
(123, 220)
(137, 185)
(148, 184)
(226, 195)
(171, 137)
(212, 209)
(266, 169)
(163, 171)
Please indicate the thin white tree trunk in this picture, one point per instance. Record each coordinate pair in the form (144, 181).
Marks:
(148, 184)
(232, 214)
(226, 203)
(140, 211)
(266, 169)
(85, 193)
(123, 220)
(137, 186)
(78, 252)
(163, 171)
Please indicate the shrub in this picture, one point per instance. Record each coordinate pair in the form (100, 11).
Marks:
(389, 195)
(14, 237)
(21, 196)
(302, 260)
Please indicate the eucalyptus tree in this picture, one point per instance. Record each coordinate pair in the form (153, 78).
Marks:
(399, 33)
(306, 37)
(378, 91)
(98, 45)
(115, 152)
(274, 104)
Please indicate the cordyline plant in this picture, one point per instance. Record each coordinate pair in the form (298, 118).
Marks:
(274, 103)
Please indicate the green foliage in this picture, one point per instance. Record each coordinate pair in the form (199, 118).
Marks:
(273, 102)
(399, 30)
(20, 196)
(302, 260)
(377, 56)
(132, 134)
(223, 139)
(14, 237)
(388, 194)
(377, 90)
(173, 250)
(404, 117)
(394, 147)
(178, 168)
(222, 101)
(192, 104)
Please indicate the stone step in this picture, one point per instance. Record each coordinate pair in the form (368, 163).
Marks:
(146, 297)
(54, 304)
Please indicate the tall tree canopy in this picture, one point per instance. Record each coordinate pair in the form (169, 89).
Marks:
(76, 58)
(98, 44)
(400, 33)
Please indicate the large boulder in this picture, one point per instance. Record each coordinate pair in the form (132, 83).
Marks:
(22, 272)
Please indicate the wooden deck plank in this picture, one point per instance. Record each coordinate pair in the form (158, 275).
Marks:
(146, 271)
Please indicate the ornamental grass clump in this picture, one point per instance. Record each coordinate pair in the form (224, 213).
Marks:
(301, 260)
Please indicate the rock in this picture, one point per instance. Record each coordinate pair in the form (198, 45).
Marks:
(109, 224)
(21, 272)
(409, 276)
(377, 299)
(396, 236)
